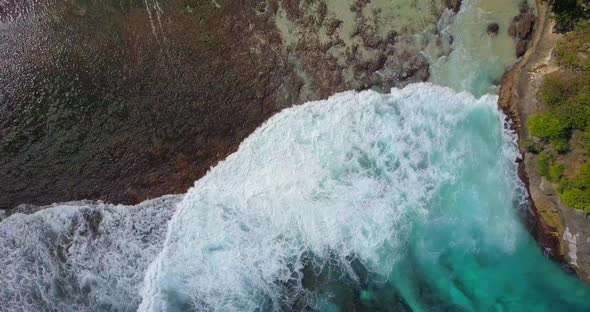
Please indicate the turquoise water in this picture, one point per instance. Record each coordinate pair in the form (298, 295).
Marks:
(478, 60)
(400, 202)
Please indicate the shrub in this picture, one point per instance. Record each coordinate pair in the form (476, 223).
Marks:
(574, 113)
(582, 179)
(567, 13)
(575, 193)
(544, 161)
(586, 140)
(556, 88)
(576, 198)
(560, 145)
(567, 49)
(556, 172)
(547, 126)
(534, 147)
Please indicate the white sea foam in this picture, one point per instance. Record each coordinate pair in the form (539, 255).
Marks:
(336, 178)
(80, 256)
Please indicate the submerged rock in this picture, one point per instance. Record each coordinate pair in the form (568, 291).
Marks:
(522, 24)
(525, 25)
(493, 28)
(512, 30)
(454, 5)
(402, 67)
(521, 28)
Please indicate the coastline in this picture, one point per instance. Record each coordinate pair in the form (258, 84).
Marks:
(169, 158)
(562, 232)
(362, 201)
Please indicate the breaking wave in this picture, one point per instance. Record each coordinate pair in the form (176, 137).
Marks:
(405, 201)
(333, 204)
(80, 256)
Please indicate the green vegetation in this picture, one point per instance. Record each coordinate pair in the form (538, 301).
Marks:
(568, 12)
(547, 126)
(575, 192)
(544, 161)
(532, 147)
(586, 140)
(572, 52)
(556, 172)
(548, 167)
(566, 95)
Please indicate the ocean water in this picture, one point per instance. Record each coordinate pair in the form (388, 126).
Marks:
(397, 202)
(406, 201)
(478, 60)
(80, 256)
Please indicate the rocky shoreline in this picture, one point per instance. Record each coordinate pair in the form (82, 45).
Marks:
(563, 233)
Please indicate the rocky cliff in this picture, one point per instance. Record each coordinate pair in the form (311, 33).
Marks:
(563, 232)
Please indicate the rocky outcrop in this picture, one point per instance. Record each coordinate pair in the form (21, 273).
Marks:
(521, 29)
(493, 28)
(524, 25)
(402, 67)
(454, 5)
(563, 233)
(126, 100)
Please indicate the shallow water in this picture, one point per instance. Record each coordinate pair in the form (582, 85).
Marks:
(478, 60)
